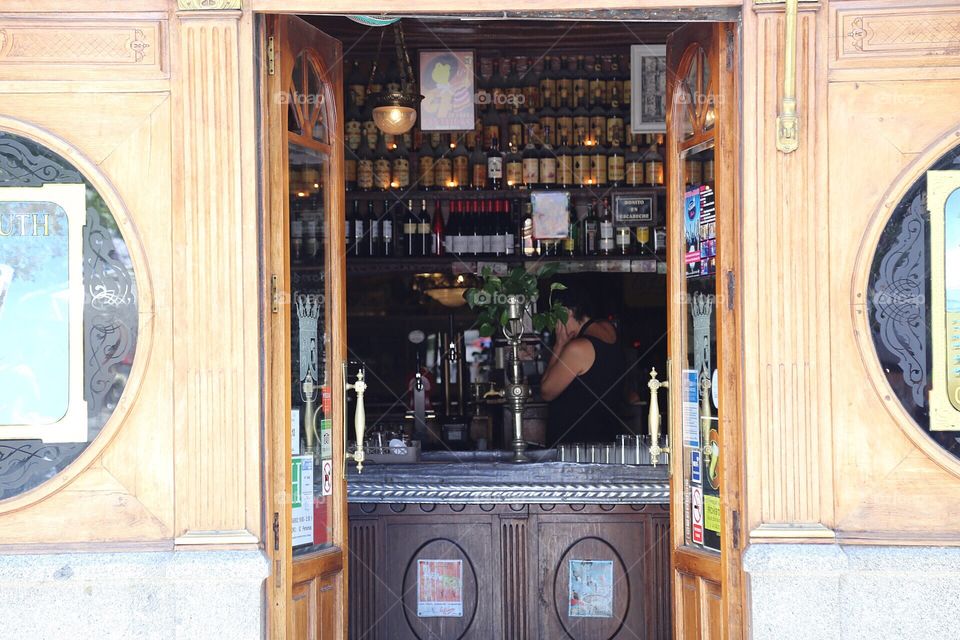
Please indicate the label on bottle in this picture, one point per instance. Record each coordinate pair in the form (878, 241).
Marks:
(615, 130)
(365, 174)
(479, 176)
(623, 239)
(461, 170)
(569, 244)
(531, 171)
(498, 244)
(442, 172)
(590, 237)
(350, 169)
(598, 129)
(548, 128)
(581, 169)
(409, 229)
(387, 226)
(625, 92)
(389, 140)
(564, 89)
(448, 244)
(486, 243)
(548, 170)
(358, 94)
(381, 173)
(598, 168)
(634, 171)
(423, 228)
(565, 170)
(490, 132)
(581, 126)
(548, 87)
(374, 227)
(564, 128)
(495, 167)
(401, 172)
(353, 132)
(508, 241)
(515, 133)
(370, 133)
(359, 229)
(579, 91)
(654, 173)
(425, 171)
(615, 168)
(514, 173)
(606, 236)
(598, 89)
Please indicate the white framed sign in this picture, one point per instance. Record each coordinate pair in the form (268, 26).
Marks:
(648, 88)
(41, 313)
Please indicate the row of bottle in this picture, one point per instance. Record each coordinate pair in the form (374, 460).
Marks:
(485, 227)
(544, 81)
(452, 167)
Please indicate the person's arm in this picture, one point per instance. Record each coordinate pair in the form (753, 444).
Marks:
(572, 359)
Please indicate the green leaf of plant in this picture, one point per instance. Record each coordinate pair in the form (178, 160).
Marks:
(539, 322)
(548, 270)
(486, 329)
(557, 286)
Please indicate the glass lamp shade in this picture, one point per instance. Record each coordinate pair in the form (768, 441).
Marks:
(395, 112)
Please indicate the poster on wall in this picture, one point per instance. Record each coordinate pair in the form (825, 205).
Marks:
(591, 589)
(648, 87)
(440, 588)
(41, 313)
(446, 82)
(691, 231)
(301, 492)
(708, 231)
(691, 409)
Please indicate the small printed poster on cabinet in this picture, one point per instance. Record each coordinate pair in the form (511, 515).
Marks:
(440, 588)
(591, 589)
(301, 491)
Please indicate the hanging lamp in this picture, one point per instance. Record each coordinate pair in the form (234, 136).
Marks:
(395, 112)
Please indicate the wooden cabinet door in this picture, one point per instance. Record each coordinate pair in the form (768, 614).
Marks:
(704, 338)
(302, 155)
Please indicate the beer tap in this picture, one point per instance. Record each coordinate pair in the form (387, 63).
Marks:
(653, 418)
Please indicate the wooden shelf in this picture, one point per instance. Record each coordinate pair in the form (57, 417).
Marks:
(489, 194)
(473, 264)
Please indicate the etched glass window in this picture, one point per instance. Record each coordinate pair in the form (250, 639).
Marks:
(68, 314)
(899, 303)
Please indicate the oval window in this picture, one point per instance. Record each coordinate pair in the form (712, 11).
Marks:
(68, 314)
(902, 319)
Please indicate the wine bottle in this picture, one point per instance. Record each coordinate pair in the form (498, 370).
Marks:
(548, 83)
(598, 165)
(548, 162)
(581, 164)
(531, 166)
(513, 167)
(425, 167)
(580, 84)
(360, 232)
(527, 245)
(564, 164)
(423, 226)
(615, 164)
(570, 241)
(598, 84)
(495, 165)
(590, 230)
(442, 166)
(400, 166)
(373, 231)
(386, 230)
(381, 166)
(452, 231)
(411, 233)
(356, 87)
(461, 166)
(607, 242)
(633, 161)
(506, 228)
(349, 169)
(437, 233)
(364, 168)
(478, 168)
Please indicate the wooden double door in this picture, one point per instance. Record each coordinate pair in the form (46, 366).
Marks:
(303, 199)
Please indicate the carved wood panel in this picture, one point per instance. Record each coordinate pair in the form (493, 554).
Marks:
(72, 49)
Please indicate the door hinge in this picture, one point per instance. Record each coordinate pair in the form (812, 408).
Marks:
(275, 293)
(276, 531)
(730, 48)
(271, 56)
(736, 528)
(731, 289)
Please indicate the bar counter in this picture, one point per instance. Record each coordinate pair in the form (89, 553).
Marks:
(519, 536)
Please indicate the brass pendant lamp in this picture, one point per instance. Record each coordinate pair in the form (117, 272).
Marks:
(395, 112)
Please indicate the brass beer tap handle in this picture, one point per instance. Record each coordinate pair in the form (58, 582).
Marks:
(653, 417)
(359, 422)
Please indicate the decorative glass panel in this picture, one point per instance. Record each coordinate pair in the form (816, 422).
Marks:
(68, 314)
(698, 387)
(898, 302)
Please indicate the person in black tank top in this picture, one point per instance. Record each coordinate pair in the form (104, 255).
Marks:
(584, 381)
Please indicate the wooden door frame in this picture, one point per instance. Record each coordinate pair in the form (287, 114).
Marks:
(727, 568)
(285, 571)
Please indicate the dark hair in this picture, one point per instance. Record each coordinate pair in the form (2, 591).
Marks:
(578, 300)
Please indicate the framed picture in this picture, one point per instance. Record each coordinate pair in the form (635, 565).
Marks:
(648, 86)
(446, 82)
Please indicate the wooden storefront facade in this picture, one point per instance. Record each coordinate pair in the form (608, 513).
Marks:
(158, 103)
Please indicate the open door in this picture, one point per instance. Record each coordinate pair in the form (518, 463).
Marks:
(704, 336)
(303, 200)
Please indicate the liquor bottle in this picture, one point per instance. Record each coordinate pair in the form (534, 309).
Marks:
(386, 230)
(360, 232)
(548, 83)
(495, 165)
(615, 84)
(451, 232)
(581, 164)
(354, 212)
(634, 167)
(513, 167)
(694, 171)
(643, 241)
(411, 232)
(580, 84)
(529, 78)
(364, 168)
(370, 131)
(515, 133)
(581, 125)
(607, 242)
(491, 127)
(478, 168)
(598, 125)
(461, 166)
(653, 166)
(590, 231)
(442, 166)
(425, 167)
(437, 233)
(423, 226)
(381, 166)
(626, 86)
(598, 84)
(527, 241)
(564, 165)
(400, 166)
(548, 126)
(623, 239)
(709, 171)
(373, 232)
(565, 84)
(531, 128)
(506, 228)
(629, 136)
(565, 124)
(598, 165)
(500, 85)
(349, 169)
(548, 163)
(531, 166)
(356, 87)
(615, 164)
(514, 84)
(353, 128)
(570, 242)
